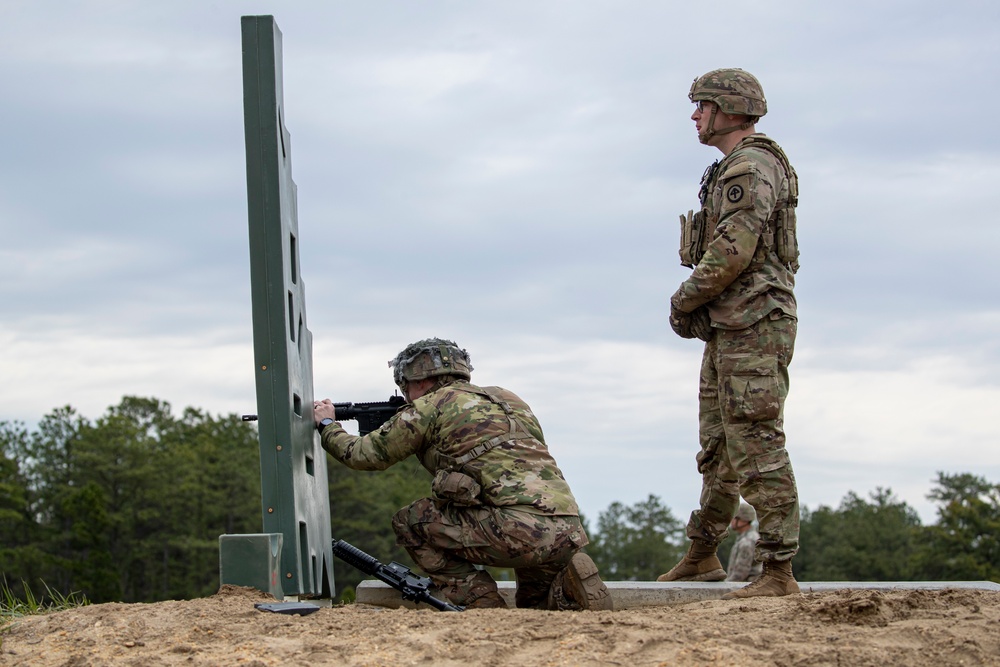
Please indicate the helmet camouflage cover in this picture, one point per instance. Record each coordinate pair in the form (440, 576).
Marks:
(746, 513)
(429, 358)
(736, 91)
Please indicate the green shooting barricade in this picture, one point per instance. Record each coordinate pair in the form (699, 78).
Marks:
(295, 545)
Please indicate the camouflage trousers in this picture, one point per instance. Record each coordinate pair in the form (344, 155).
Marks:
(447, 541)
(741, 399)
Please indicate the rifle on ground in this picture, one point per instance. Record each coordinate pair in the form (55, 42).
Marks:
(400, 577)
(369, 415)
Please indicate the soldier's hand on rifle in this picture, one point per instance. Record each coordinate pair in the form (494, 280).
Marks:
(324, 410)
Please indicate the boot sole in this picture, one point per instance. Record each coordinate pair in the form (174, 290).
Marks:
(746, 593)
(585, 581)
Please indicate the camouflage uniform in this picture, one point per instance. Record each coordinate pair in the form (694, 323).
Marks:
(742, 566)
(747, 291)
(500, 499)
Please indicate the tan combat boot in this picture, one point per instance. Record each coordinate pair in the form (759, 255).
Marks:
(478, 592)
(490, 600)
(699, 564)
(579, 587)
(777, 580)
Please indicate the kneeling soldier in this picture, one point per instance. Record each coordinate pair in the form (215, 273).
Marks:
(499, 497)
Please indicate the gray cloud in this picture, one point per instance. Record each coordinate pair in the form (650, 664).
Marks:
(510, 175)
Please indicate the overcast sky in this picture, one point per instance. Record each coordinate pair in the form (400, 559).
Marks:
(509, 175)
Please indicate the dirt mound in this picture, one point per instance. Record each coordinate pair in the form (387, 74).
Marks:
(856, 628)
(877, 609)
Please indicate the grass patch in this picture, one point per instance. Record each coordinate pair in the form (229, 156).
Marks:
(13, 607)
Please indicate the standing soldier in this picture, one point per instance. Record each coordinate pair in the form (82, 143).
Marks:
(742, 565)
(739, 299)
(499, 498)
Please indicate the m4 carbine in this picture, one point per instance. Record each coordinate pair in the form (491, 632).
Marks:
(368, 415)
(412, 587)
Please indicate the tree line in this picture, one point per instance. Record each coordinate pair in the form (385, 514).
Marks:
(129, 507)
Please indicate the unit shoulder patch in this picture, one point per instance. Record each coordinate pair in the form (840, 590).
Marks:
(738, 187)
(734, 193)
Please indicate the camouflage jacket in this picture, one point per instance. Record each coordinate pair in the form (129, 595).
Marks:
(459, 428)
(742, 566)
(740, 278)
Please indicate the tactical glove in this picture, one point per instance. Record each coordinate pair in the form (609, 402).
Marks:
(701, 324)
(680, 322)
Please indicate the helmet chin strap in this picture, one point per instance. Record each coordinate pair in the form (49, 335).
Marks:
(706, 136)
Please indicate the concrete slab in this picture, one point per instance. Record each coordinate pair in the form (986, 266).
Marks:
(638, 594)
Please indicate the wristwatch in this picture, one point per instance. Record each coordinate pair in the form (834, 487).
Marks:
(323, 424)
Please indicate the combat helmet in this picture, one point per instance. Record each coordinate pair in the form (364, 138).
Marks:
(430, 357)
(734, 91)
(746, 513)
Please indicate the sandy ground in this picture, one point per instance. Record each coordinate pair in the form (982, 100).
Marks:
(845, 628)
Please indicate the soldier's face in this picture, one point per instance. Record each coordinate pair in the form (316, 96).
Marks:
(704, 111)
(707, 114)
